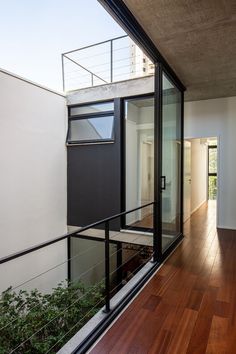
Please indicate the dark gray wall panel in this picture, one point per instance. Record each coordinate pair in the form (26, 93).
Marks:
(94, 173)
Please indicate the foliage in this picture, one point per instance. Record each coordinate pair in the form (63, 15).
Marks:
(43, 323)
(212, 187)
(213, 160)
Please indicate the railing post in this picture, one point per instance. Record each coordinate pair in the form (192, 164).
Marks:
(119, 265)
(92, 79)
(155, 233)
(111, 61)
(69, 259)
(107, 268)
(63, 72)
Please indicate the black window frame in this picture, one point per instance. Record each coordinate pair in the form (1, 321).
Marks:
(90, 116)
(211, 174)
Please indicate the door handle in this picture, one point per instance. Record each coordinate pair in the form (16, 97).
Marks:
(163, 182)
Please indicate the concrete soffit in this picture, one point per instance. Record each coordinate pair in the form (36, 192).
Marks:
(197, 39)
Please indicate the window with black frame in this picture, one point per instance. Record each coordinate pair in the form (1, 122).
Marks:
(91, 123)
(212, 171)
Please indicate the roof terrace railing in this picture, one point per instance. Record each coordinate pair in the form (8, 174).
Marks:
(102, 63)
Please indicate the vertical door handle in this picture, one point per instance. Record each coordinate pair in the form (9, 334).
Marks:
(163, 182)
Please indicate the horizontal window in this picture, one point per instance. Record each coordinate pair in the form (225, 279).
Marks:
(92, 108)
(91, 129)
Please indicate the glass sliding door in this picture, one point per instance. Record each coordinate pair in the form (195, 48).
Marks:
(171, 162)
(139, 161)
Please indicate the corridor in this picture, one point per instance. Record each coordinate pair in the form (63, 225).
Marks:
(189, 305)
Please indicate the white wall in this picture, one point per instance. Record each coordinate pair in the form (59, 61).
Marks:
(131, 162)
(217, 118)
(199, 173)
(33, 187)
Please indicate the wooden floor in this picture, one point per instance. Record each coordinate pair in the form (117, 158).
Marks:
(189, 306)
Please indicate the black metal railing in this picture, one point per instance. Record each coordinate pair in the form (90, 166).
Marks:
(69, 234)
(109, 288)
(76, 233)
(105, 62)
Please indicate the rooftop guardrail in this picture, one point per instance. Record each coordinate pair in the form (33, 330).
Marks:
(114, 60)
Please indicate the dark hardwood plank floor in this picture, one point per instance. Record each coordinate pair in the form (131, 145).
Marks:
(189, 306)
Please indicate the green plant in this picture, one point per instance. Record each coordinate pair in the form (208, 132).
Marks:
(43, 323)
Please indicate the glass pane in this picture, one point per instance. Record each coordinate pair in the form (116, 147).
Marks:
(88, 260)
(99, 128)
(139, 122)
(212, 160)
(212, 188)
(87, 264)
(94, 108)
(171, 162)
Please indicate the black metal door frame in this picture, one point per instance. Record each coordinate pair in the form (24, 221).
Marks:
(157, 219)
(159, 254)
(126, 19)
(122, 15)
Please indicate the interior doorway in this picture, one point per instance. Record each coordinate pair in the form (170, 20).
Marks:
(187, 180)
(139, 162)
(200, 174)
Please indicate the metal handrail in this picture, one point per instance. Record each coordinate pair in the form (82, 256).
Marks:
(107, 281)
(95, 44)
(65, 55)
(69, 234)
(81, 66)
(110, 73)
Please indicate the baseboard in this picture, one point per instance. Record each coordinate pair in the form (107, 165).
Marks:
(199, 206)
(185, 220)
(225, 228)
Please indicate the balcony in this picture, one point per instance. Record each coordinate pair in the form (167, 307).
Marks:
(102, 269)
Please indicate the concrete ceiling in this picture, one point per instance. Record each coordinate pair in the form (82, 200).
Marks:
(198, 40)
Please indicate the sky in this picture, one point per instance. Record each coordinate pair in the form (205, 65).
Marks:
(34, 33)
